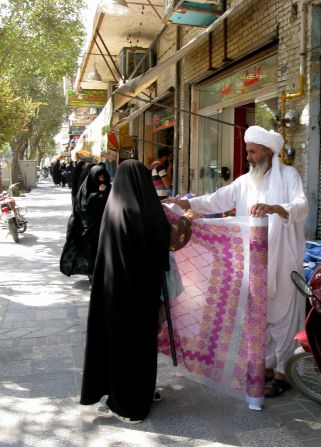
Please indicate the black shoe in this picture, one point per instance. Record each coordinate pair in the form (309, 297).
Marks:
(157, 396)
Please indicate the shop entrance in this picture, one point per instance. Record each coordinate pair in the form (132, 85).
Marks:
(164, 136)
(243, 116)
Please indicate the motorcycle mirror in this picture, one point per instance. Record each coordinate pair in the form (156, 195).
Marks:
(301, 284)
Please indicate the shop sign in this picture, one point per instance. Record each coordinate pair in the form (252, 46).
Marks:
(251, 78)
(196, 13)
(87, 98)
(76, 130)
(162, 120)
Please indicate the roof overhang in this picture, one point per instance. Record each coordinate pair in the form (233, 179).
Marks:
(110, 34)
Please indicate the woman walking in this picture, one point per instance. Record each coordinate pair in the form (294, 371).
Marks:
(80, 249)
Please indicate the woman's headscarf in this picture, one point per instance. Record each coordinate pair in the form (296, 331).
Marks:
(86, 168)
(90, 201)
(133, 204)
(76, 173)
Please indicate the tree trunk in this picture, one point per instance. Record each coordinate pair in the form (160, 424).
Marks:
(1, 186)
(18, 148)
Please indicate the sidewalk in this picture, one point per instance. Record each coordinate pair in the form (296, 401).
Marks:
(42, 336)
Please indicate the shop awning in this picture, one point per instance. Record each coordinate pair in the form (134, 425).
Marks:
(120, 139)
(80, 152)
(136, 85)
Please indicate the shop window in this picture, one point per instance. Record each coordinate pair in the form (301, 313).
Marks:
(210, 153)
(266, 111)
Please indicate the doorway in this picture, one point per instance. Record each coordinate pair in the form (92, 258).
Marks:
(243, 116)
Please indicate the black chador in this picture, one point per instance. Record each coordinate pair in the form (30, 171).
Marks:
(80, 249)
(133, 252)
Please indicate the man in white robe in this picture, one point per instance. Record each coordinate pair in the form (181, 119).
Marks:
(274, 189)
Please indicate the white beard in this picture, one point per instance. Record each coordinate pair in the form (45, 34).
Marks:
(257, 172)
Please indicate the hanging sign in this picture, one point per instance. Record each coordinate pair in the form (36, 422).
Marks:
(86, 98)
(249, 79)
(162, 119)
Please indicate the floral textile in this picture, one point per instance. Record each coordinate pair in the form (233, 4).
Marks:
(219, 320)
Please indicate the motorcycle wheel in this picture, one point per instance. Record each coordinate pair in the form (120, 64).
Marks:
(22, 227)
(13, 230)
(22, 223)
(304, 375)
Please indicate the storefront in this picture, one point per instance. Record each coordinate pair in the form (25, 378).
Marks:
(99, 143)
(229, 103)
(159, 128)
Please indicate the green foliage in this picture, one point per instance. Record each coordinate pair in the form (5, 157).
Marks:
(15, 113)
(41, 38)
(40, 42)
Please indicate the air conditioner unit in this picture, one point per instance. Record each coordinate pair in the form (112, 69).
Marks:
(129, 59)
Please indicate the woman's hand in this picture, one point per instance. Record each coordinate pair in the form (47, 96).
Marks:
(102, 187)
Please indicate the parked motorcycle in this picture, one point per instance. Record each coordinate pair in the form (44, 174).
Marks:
(11, 216)
(303, 369)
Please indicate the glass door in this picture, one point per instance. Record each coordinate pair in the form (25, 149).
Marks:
(210, 153)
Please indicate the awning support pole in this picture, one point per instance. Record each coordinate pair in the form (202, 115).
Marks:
(105, 60)
(110, 56)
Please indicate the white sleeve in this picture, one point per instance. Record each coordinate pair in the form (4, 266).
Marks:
(297, 207)
(222, 200)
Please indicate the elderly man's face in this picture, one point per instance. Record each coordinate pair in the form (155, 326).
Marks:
(259, 155)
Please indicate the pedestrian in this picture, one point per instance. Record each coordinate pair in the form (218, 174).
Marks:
(161, 169)
(69, 170)
(63, 174)
(86, 168)
(56, 173)
(79, 252)
(75, 175)
(133, 253)
(274, 189)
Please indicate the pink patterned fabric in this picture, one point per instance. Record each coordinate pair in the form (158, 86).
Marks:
(219, 320)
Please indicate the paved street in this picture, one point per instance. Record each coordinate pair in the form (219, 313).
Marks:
(42, 333)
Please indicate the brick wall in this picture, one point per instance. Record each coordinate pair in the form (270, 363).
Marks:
(248, 28)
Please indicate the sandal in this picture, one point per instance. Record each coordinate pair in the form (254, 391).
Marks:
(276, 388)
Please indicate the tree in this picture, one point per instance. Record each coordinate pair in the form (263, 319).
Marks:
(40, 42)
(16, 111)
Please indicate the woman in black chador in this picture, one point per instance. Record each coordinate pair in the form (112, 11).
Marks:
(133, 253)
(76, 172)
(80, 249)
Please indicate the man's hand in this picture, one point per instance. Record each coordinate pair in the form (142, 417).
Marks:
(261, 210)
(192, 215)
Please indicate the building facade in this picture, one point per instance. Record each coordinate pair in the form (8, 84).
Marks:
(250, 64)
(258, 66)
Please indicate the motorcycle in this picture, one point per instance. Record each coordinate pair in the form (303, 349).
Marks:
(11, 216)
(303, 368)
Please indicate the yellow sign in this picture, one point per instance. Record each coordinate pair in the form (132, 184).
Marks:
(87, 98)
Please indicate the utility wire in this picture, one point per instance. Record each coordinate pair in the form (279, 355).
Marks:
(174, 109)
(140, 139)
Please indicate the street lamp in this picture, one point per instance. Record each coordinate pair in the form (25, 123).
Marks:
(94, 75)
(114, 7)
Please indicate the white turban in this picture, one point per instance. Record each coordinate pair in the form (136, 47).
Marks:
(259, 135)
